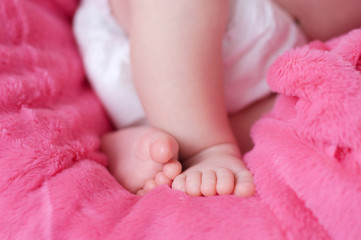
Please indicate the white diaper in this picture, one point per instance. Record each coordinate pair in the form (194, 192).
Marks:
(258, 31)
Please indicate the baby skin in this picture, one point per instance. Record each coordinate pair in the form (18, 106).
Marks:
(179, 82)
(177, 70)
(142, 158)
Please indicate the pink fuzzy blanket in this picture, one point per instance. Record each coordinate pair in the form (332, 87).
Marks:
(54, 183)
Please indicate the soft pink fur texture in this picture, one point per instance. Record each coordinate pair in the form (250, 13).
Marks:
(54, 183)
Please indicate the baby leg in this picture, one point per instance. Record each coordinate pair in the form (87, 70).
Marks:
(184, 75)
(242, 121)
(141, 158)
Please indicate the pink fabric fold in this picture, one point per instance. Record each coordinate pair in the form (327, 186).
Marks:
(54, 183)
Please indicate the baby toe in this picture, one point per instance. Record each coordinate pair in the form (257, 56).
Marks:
(141, 192)
(163, 148)
(225, 181)
(179, 183)
(244, 186)
(162, 179)
(209, 181)
(172, 169)
(193, 183)
(149, 185)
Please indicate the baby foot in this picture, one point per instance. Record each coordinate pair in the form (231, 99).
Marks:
(215, 170)
(141, 158)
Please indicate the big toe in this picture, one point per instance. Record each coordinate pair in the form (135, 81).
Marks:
(163, 148)
(179, 183)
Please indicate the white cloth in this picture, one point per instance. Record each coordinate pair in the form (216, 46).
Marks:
(258, 32)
